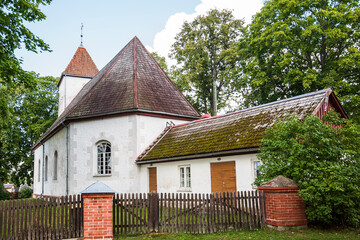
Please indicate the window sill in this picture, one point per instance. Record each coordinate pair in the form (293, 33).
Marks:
(102, 175)
(184, 190)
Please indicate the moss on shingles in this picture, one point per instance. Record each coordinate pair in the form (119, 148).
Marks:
(240, 130)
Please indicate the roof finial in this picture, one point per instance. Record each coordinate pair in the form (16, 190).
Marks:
(82, 25)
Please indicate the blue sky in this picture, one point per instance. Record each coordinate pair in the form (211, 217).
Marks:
(110, 24)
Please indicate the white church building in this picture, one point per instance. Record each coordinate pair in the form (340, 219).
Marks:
(129, 127)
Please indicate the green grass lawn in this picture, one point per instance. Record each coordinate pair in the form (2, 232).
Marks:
(268, 234)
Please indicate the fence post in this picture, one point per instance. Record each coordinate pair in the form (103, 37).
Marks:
(97, 207)
(153, 212)
(283, 207)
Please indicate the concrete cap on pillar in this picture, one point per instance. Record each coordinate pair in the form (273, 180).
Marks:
(279, 181)
(98, 187)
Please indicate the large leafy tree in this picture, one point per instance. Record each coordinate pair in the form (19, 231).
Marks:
(161, 61)
(31, 112)
(299, 46)
(15, 35)
(13, 79)
(206, 52)
(322, 156)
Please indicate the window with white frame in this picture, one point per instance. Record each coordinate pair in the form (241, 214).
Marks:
(185, 177)
(103, 158)
(256, 168)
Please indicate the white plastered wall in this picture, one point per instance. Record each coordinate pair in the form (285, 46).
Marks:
(51, 186)
(168, 174)
(70, 86)
(129, 136)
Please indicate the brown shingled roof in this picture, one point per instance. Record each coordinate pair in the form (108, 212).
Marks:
(230, 133)
(132, 82)
(81, 64)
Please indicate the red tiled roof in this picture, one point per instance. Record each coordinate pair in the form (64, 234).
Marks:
(81, 64)
(233, 132)
(131, 82)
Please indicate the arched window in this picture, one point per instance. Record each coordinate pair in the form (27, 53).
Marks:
(46, 168)
(103, 158)
(55, 165)
(39, 171)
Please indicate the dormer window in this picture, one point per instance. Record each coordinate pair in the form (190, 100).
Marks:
(103, 158)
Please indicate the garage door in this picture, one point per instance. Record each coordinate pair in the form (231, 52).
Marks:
(223, 177)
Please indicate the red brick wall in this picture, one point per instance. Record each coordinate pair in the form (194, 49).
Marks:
(98, 215)
(283, 207)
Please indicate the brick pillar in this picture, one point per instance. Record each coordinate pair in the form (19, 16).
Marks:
(284, 208)
(97, 206)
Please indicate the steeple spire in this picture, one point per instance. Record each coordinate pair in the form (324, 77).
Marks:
(81, 36)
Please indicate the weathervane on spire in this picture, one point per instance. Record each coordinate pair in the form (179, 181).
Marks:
(82, 25)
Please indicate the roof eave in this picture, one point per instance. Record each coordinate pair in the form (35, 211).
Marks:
(71, 75)
(134, 110)
(60, 125)
(201, 155)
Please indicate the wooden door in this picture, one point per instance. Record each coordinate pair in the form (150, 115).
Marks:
(152, 180)
(223, 177)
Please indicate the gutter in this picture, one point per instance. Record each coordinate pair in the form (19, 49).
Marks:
(201, 155)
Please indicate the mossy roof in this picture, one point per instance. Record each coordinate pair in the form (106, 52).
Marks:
(238, 130)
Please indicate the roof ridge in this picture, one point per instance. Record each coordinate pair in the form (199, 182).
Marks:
(167, 77)
(256, 107)
(136, 101)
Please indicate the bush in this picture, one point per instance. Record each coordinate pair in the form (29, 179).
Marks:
(323, 158)
(4, 195)
(25, 192)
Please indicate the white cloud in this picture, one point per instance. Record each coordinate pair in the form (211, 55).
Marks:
(242, 9)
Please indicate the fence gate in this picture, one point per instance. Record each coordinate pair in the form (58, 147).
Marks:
(130, 213)
(45, 218)
(191, 213)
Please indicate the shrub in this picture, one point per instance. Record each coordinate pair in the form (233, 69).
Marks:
(4, 195)
(25, 192)
(323, 158)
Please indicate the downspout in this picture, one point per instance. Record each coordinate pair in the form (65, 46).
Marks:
(67, 159)
(43, 172)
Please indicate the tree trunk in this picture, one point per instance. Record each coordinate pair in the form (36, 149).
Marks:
(214, 91)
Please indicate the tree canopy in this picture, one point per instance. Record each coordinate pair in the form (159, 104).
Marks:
(206, 52)
(15, 35)
(322, 156)
(161, 61)
(31, 112)
(295, 47)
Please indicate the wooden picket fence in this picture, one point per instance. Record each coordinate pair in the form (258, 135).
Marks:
(45, 218)
(188, 212)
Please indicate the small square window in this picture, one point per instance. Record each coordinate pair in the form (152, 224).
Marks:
(185, 177)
